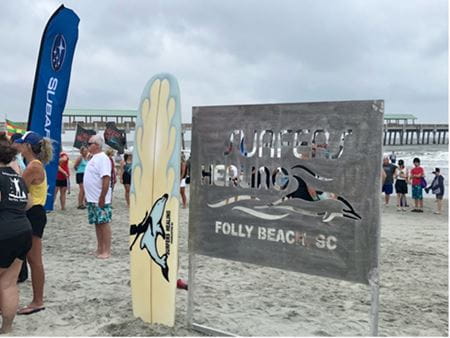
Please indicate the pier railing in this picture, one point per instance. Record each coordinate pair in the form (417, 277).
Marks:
(394, 134)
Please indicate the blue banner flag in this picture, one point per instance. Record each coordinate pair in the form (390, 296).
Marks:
(51, 84)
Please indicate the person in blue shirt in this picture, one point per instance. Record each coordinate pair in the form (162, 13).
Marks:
(80, 167)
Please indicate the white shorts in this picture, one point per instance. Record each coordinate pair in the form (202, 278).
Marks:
(183, 183)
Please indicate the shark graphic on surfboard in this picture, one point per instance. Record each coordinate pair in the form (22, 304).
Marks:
(151, 228)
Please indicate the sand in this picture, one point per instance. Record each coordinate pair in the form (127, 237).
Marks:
(85, 296)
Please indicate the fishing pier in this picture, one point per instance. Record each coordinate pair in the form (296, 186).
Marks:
(399, 129)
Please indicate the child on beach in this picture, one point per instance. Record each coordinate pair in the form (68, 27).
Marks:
(437, 188)
(417, 175)
(401, 186)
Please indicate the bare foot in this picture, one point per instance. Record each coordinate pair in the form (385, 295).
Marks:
(103, 256)
(5, 329)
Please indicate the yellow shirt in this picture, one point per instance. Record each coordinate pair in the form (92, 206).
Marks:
(39, 191)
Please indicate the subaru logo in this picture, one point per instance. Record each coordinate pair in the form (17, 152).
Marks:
(58, 52)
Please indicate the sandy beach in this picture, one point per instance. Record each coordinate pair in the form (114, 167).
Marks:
(85, 296)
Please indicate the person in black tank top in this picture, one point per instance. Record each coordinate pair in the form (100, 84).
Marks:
(15, 233)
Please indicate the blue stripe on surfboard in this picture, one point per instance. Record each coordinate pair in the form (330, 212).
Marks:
(175, 122)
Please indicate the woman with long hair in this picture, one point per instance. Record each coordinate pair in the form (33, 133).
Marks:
(37, 151)
(15, 233)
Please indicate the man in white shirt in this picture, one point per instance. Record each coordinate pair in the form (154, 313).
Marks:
(97, 185)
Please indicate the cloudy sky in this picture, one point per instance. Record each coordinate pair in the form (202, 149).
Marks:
(238, 51)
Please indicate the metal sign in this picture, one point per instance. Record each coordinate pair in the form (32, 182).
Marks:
(290, 186)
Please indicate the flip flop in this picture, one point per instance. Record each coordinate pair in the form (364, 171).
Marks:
(29, 310)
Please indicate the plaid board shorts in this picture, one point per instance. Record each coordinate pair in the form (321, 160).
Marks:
(97, 215)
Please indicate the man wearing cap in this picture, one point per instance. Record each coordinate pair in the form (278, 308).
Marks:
(97, 178)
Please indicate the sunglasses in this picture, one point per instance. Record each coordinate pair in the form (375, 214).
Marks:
(91, 143)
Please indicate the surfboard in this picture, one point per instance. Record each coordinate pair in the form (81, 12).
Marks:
(154, 201)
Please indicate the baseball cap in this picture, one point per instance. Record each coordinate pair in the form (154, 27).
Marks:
(436, 170)
(15, 136)
(29, 137)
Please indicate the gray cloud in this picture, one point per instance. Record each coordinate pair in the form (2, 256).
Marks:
(232, 52)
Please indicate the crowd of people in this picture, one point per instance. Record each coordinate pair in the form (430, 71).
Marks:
(400, 177)
(23, 196)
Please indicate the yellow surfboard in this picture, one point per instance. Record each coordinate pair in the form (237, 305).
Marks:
(154, 201)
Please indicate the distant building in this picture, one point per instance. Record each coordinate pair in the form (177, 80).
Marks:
(399, 119)
(124, 119)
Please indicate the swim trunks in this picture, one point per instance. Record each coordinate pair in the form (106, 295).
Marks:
(417, 192)
(97, 215)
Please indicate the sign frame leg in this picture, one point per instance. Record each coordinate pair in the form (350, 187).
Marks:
(373, 315)
(190, 305)
(191, 281)
(375, 302)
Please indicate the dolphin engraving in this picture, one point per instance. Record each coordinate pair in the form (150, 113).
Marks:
(151, 227)
(309, 194)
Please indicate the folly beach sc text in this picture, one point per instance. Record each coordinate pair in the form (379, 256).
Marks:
(271, 234)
